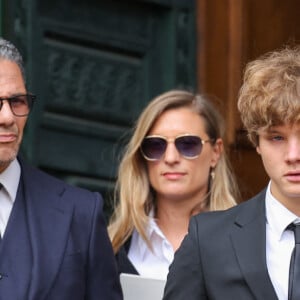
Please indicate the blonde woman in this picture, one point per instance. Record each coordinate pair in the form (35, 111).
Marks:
(174, 167)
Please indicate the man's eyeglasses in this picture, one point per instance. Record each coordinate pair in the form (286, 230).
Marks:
(20, 105)
(189, 146)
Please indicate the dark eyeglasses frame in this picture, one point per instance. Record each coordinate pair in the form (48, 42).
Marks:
(30, 100)
(172, 140)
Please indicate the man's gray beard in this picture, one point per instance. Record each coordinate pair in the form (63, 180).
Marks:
(8, 161)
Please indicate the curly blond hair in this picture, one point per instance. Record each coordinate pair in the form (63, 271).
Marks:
(270, 94)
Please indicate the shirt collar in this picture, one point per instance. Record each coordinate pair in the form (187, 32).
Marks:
(274, 209)
(153, 233)
(153, 227)
(10, 178)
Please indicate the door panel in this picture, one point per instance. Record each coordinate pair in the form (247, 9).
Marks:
(94, 65)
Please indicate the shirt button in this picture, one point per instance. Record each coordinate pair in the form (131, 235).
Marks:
(1, 276)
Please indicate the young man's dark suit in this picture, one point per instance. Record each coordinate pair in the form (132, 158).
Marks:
(55, 246)
(225, 253)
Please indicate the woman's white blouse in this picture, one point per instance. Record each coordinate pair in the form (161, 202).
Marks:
(151, 263)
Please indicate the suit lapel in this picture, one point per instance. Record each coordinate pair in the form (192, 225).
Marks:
(15, 254)
(123, 262)
(49, 220)
(249, 242)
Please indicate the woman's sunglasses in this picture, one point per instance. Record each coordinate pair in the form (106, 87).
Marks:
(189, 146)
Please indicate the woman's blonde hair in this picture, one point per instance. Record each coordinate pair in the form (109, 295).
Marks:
(133, 194)
(270, 94)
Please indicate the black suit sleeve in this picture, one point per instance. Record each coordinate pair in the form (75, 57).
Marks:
(185, 278)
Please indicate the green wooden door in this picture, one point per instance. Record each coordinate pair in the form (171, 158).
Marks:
(94, 65)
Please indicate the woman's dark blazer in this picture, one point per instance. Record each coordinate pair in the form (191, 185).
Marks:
(123, 262)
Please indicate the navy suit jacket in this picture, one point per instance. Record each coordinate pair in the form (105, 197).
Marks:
(56, 245)
(223, 256)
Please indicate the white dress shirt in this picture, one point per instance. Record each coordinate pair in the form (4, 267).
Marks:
(279, 243)
(153, 264)
(9, 178)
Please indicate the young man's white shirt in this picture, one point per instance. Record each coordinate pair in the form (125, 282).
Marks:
(279, 243)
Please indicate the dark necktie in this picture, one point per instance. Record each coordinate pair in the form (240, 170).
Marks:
(294, 274)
